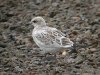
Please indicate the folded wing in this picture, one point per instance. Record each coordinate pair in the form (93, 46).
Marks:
(51, 37)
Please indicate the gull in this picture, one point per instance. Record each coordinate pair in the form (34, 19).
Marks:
(48, 39)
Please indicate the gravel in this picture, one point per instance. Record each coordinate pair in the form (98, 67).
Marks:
(78, 19)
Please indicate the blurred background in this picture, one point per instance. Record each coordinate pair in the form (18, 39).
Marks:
(80, 19)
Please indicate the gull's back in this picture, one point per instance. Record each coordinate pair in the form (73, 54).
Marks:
(50, 39)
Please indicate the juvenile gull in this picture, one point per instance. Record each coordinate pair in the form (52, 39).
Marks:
(47, 38)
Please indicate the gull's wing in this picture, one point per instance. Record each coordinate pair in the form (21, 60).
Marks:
(53, 37)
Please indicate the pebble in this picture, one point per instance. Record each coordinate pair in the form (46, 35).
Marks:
(3, 17)
(1, 38)
(18, 69)
(64, 53)
(69, 60)
(97, 13)
(3, 45)
(55, 4)
(37, 2)
(76, 19)
(86, 74)
(92, 50)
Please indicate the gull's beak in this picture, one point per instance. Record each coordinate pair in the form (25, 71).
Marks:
(30, 22)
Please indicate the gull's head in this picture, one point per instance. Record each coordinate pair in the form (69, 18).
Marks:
(38, 21)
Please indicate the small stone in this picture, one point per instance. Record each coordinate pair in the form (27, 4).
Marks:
(2, 50)
(75, 32)
(18, 69)
(69, 60)
(77, 66)
(76, 19)
(49, 58)
(3, 73)
(10, 14)
(97, 13)
(87, 34)
(54, 4)
(37, 2)
(92, 50)
(1, 38)
(3, 17)
(52, 14)
(13, 27)
(13, 58)
(86, 74)
(79, 60)
(3, 45)
(64, 53)
(78, 1)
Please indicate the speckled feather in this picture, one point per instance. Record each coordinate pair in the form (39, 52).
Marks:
(49, 36)
(50, 39)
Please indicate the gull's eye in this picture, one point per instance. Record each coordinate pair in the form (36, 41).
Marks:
(35, 21)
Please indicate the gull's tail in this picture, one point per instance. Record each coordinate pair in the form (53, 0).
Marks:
(66, 42)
